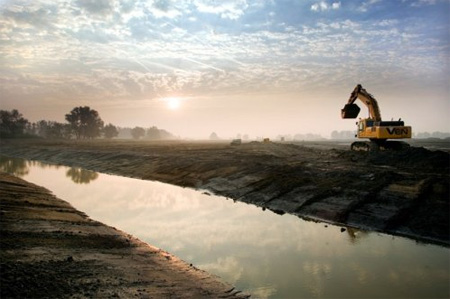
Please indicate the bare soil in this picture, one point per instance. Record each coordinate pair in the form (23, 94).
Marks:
(397, 192)
(51, 250)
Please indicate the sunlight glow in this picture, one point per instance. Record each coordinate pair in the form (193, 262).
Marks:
(173, 103)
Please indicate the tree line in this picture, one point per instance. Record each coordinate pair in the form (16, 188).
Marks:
(81, 123)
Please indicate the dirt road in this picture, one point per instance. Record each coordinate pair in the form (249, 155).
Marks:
(402, 193)
(51, 250)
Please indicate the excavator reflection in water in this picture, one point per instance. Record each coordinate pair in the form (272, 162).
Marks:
(373, 128)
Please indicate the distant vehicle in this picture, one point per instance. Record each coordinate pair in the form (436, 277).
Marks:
(373, 128)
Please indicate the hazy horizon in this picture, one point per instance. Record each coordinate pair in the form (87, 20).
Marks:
(195, 67)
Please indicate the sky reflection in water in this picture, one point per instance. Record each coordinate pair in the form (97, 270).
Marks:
(257, 251)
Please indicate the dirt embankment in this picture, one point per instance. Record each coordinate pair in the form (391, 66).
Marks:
(401, 193)
(51, 250)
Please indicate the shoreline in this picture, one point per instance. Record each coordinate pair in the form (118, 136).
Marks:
(399, 193)
(50, 249)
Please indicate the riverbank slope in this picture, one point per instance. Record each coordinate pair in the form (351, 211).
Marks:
(401, 193)
(51, 250)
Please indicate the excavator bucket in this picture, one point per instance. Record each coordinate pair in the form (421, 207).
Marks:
(350, 111)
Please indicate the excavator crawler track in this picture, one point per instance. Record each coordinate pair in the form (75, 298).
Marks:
(374, 146)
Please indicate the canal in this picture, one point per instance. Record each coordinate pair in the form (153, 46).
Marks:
(259, 252)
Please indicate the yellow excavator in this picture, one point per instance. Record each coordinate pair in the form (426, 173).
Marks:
(373, 128)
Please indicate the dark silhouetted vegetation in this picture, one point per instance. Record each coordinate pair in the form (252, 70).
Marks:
(12, 124)
(52, 130)
(82, 123)
(85, 123)
(110, 131)
(154, 133)
(137, 132)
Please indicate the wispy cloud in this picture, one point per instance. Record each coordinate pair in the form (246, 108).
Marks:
(137, 50)
(324, 6)
(365, 6)
(419, 3)
(226, 9)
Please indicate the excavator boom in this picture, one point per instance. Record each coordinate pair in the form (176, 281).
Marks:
(351, 110)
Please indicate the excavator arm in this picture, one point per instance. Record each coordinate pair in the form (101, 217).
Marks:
(351, 110)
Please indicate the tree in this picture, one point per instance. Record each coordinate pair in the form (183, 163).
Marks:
(137, 132)
(12, 124)
(163, 134)
(85, 122)
(157, 134)
(52, 129)
(213, 136)
(153, 133)
(110, 131)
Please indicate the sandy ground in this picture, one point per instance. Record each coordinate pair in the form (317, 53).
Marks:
(401, 193)
(51, 250)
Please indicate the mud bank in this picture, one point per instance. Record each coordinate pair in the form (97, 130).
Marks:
(401, 193)
(51, 250)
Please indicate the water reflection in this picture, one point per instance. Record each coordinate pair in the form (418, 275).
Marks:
(258, 251)
(18, 167)
(81, 176)
(21, 167)
(43, 165)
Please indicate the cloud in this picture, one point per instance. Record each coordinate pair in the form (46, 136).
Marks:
(324, 6)
(97, 7)
(164, 8)
(387, 22)
(141, 54)
(29, 16)
(227, 9)
(420, 3)
(364, 7)
(336, 5)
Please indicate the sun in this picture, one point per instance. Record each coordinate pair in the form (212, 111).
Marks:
(173, 103)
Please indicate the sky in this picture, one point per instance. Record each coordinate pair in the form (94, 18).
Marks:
(255, 67)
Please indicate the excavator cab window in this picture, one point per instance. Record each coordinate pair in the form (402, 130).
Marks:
(361, 126)
(369, 123)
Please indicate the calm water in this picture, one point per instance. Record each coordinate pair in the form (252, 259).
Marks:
(268, 255)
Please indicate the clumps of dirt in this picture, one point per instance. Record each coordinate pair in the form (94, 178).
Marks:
(418, 158)
(46, 279)
(434, 203)
(15, 240)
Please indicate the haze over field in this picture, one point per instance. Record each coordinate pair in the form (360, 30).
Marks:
(249, 67)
